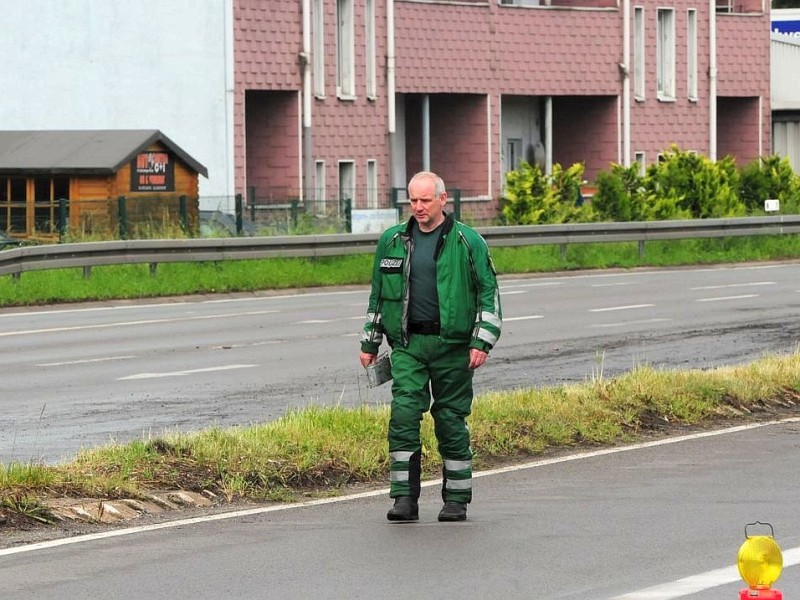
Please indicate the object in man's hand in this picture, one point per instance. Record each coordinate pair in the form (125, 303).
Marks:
(380, 371)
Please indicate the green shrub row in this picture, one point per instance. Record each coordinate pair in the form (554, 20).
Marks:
(683, 185)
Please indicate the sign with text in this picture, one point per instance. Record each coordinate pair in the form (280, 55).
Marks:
(786, 21)
(152, 172)
(374, 220)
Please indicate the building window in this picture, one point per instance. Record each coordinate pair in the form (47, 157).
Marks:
(372, 184)
(665, 54)
(42, 194)
(372, 85)
(345, 50)
(347, 184)
(13, 203)
(319, 187)
(691, 53)
(638, 53)
(639, 159)
(318, 49)
(513, 153)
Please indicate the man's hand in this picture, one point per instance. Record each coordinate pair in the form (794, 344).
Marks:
(367, 359)
(477, 358)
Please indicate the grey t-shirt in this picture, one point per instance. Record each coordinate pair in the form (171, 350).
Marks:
(424, 297)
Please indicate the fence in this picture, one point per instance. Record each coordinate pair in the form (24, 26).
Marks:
(277, 213)
(274, 211)
(87, 255)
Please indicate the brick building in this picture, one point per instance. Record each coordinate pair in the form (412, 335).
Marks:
(348, 98)
(327, 99)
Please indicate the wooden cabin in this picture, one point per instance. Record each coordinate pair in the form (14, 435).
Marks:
(87, 181)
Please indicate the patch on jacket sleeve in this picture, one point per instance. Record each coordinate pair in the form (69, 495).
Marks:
(391, 265)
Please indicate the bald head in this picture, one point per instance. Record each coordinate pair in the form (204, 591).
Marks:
(428, 176)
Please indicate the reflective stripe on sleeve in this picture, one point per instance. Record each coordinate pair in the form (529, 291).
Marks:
(487, 336)
(491, 319)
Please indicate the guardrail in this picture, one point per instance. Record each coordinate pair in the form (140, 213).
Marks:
(91, 254)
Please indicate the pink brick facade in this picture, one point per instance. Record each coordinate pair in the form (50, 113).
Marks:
(458, 64)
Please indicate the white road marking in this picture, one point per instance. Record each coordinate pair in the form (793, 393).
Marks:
(84, 361)
(142, 322)
(174, 304)
(700, 582)
(335, 320)
(250, 345)
(514, 292)
(721, 298)
(630, 306)
(731, 285)
(625, 323)
(613, 284)
(434, 482)
(526, 318)
(187, 372)
(538, 284)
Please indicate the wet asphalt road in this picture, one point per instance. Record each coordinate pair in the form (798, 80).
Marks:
(654, 522)
(77, 376)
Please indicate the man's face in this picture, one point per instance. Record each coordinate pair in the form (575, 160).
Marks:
(425, 205)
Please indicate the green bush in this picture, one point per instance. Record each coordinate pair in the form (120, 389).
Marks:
(682, 185)
(697, 186)
(618, 196)
(532, 198)
(770, 177)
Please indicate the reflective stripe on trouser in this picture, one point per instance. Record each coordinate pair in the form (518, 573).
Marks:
(428, 367)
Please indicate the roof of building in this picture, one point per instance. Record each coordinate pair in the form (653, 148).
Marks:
(80, 152)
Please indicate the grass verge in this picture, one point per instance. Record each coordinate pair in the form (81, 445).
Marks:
(172, 279)
(322, 450)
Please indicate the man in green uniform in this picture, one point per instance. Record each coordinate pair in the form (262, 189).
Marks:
(435, 298)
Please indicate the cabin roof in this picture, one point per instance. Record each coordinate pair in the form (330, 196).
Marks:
(81, 152)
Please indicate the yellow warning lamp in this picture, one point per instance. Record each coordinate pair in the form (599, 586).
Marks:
(760, 563)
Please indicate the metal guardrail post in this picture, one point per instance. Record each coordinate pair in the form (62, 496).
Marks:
(457, 204)
(238, 209)
(122, 215)
(641, 248)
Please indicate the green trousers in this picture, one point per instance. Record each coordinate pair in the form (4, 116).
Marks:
(430, 375)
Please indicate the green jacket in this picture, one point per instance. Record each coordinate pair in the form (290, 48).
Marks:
(469, 299)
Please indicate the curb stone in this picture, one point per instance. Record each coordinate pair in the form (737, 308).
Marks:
(96, 510)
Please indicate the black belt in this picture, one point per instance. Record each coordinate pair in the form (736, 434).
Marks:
(424, 327)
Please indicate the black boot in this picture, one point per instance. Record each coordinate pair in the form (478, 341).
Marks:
(405, 509)
(453, 511)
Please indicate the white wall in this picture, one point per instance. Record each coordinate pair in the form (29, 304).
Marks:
(785, 97)
(784, 61)
(125, 64)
